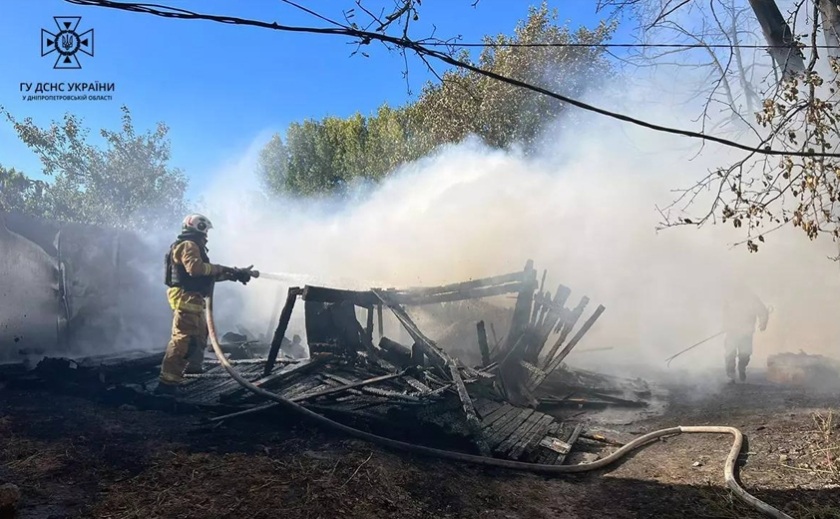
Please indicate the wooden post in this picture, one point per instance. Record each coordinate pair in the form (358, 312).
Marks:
(369, 327)
(522, 310)
(280, 332)
(379, 319)
(275, 313)
(482, 344)
(417, 355)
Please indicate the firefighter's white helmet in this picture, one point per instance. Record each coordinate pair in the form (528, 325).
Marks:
(197, 222)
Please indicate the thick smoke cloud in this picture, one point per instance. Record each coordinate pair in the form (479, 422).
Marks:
(584, 210)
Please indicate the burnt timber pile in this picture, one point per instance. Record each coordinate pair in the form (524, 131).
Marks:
(510, 405)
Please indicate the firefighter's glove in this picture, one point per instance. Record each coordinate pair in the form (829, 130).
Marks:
(242, 275)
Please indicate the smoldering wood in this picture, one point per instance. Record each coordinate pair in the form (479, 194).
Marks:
(397, 350)
(491, 404)
(369, 327)
(576, 339)
(539, 298)
(469, 411)
(555, 363)
(486, 287)
(357, 330)
(435, 354)
(417, 357)
(522, 310)
(514, 277)
(566, 325)
(280, 331)
(517, 433)
(380, 392)
(461, 295)
(482, 343)
(530, 440)
(380, 324)
(594, 401)
(555, 312)
(571, 441)
(335, 295)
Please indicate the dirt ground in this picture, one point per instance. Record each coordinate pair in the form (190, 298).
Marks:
(77, 458)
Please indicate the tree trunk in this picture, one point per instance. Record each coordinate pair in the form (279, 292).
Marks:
(783, 49)
(830, 12)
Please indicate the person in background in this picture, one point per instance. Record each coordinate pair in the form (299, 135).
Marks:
(742, 309)
(190, 277)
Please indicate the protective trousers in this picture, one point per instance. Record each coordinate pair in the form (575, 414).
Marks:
(738, 345)
(185, 351)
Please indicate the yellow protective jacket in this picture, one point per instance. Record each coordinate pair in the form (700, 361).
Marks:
(188, 255)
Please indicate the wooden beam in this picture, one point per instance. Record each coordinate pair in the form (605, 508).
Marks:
(522, 310)
(334, 295)
(446, 363)
(571, 441)
(379, 320)
(555, 363)
(369, 327)
(275, 312)
(461, 295)
(515, 277)
(417, 357)
(556, 311)
(280, 332)
(469, 410)
(406, 297)
(437, 356)
(566, 325)
(482, 344)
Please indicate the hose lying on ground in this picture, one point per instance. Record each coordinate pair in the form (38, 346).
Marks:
(728, 470)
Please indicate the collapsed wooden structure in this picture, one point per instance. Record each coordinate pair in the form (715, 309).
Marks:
(497, 408)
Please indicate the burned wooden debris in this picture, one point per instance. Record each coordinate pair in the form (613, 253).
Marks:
(505, 405)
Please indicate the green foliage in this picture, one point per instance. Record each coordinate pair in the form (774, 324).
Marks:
(19, 193)
(273, 164)
(128, 184)
(325, 157)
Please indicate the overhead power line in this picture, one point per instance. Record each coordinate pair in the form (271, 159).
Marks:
(424, 50)
(626, 45)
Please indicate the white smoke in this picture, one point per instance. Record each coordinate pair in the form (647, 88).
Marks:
(585, 209)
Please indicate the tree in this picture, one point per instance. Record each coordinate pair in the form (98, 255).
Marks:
(128, 184)
(330, 155)
(503, 114)
(801, 186)
(795, 135)
(19, 193)
(273, 165)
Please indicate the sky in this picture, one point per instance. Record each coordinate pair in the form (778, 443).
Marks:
(219, 87)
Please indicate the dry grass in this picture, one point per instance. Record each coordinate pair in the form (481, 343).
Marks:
(826, 455)
(183, 484)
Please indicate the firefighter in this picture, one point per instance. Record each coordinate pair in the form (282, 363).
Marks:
(190, 277)
(742, 308)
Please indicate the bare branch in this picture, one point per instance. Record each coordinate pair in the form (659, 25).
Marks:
(367, 37)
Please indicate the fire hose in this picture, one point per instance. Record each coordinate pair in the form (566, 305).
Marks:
(728, 470)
